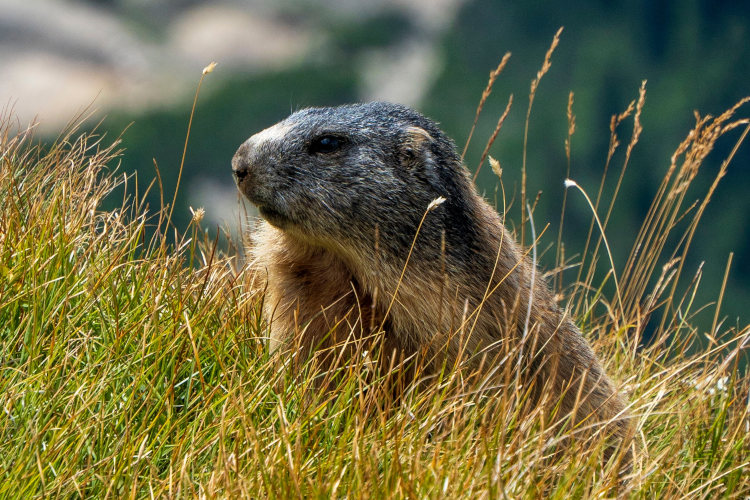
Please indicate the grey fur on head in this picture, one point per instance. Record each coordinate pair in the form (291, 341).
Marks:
(390, 157)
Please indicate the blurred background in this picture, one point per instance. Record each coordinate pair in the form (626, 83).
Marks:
(137, 64)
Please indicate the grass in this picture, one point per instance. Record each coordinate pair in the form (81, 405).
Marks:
(130, 367)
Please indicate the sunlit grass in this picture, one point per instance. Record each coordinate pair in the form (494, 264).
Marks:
(132, 367)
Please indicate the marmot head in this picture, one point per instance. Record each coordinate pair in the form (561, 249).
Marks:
(332, 175)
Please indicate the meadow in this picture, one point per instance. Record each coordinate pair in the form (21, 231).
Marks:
(134, 360)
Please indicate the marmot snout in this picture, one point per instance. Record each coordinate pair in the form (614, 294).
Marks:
(342, 191)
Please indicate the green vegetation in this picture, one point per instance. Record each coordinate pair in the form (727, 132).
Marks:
(694, 55)
(133, 367)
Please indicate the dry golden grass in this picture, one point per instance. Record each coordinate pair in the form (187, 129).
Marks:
(135, 368)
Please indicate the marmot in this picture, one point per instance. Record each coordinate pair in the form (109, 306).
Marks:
(343, 191)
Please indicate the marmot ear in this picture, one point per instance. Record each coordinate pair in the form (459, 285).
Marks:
(415, 147)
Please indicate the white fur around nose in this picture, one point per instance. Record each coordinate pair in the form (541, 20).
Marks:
(271, 134)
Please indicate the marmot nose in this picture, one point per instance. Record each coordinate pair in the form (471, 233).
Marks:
(241, 162)
(241, 172)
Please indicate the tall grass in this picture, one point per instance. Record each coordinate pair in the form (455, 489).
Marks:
(133, 368)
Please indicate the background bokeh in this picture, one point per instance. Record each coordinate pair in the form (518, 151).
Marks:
(138, 62)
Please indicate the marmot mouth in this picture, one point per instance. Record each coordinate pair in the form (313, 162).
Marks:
(274, 217)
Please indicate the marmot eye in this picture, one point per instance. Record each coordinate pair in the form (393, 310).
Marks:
(326, 144)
